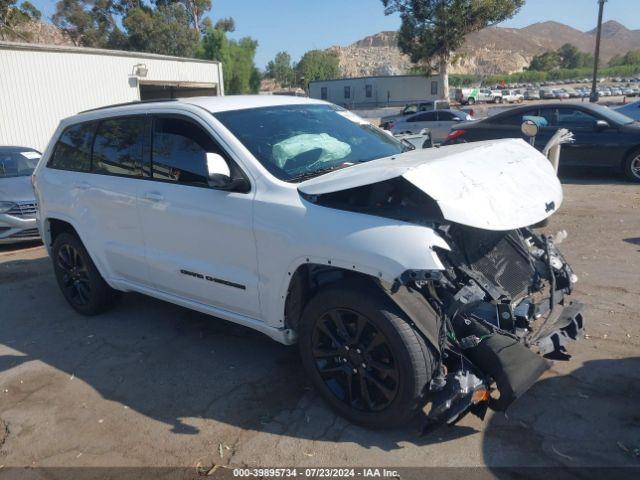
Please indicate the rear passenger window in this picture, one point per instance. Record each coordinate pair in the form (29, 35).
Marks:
(73, 150)
(179, 151)
(118, 147)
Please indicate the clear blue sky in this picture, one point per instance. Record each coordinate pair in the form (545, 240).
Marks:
(300, 25)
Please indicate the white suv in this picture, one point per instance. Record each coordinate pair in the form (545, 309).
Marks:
(405, 276)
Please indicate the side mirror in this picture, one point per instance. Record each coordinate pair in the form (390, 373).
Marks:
(218, 172)
(600, 125)
(529, 128)
(219, 175)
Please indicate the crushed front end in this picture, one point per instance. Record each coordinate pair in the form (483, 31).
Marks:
(500, 308)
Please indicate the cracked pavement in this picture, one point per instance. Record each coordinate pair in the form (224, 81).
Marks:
(153, 384)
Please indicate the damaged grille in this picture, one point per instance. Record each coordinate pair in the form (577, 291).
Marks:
(500, 256)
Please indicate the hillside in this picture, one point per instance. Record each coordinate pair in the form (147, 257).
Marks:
(492, 50)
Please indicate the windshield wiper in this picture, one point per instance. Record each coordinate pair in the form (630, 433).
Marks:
(307, 175)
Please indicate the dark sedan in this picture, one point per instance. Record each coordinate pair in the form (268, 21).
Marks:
(603, 137)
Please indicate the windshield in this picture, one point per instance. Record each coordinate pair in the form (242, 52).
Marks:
(295, 142)
(18, 164)
(613, 116)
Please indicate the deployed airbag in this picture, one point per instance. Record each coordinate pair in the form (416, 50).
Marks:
(332, 148)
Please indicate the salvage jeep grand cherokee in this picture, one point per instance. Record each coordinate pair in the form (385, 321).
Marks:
(408, 278)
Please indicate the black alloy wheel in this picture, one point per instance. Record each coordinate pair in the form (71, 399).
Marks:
(363, 355)
(78, 278)
(75, 276)
(355, 360)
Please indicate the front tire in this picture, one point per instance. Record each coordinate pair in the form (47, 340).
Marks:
(363, 356)
(632, 166)
(78, 278)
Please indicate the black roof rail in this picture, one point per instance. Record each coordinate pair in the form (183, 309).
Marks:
(135, 102)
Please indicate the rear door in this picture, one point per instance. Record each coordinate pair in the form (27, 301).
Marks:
(110, 207)
(200, 242)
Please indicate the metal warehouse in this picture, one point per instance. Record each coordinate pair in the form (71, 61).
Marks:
(41, 84)
(387, 90)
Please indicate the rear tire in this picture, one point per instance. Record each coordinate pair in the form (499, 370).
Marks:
(363, 356)
(632, 166)
(78, 278)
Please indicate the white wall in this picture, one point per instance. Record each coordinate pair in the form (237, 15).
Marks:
(388, 90)
(40, 86)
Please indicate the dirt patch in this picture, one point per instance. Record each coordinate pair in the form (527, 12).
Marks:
(4, 433)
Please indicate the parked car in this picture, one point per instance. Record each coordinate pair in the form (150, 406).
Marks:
(603, 136)
(439, 122)
(546, 94)
(512, 96)
(631, 110)
(412, 108)
(560, 94)
(405, 277)
(17, 201)
(532, 95)
(572, 92)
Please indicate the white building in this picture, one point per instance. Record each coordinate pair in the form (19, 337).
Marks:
(381, 91)
(41, 84)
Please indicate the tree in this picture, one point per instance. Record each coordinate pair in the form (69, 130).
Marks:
(89, 23)
(280, 69)
(12, 17)
(237, 58)
(571, 57)
(316, 65)
(545, 62)
(632, 57)
(165, 30)
(432, 30)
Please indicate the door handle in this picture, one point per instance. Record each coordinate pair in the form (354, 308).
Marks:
(154, 196)
(83, 185)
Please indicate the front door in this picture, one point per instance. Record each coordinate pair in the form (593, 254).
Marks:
(199, 240)
(591, 147)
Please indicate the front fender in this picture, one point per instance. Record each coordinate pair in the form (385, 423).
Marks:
(379, 247)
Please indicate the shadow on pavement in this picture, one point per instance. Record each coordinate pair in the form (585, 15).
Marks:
(172, 364)
(591, 176)
(586, 418)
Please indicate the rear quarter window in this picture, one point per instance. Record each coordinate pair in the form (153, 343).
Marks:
(73, 149)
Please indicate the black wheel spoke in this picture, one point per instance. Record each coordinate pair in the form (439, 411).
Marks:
(361, 323)
(382, 388)
(375, 342)
(322, 352)
(388, 371)
(322, 327)
(355, 360)
(74, 275)
(338, 322)
(364, 393)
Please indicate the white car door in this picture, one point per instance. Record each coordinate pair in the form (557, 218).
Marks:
(98, 193)
(199, 240)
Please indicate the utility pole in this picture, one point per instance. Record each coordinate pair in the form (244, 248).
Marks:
(593, 98)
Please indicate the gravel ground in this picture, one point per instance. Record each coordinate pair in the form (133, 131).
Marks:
(152, 384)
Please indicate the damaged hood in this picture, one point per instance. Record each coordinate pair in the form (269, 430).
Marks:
(492, 185)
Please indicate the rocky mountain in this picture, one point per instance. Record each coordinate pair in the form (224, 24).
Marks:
(40, 32)
(492, 50)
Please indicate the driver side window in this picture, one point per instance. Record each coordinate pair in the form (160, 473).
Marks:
(178, 152)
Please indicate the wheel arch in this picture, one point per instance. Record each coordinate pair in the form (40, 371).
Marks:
(309, 278)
